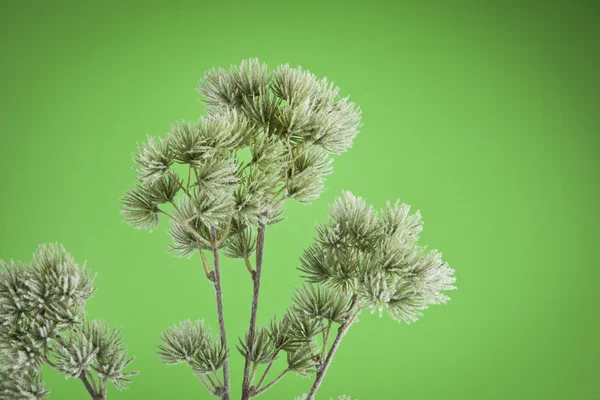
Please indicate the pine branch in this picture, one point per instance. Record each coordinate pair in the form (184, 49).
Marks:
(292, 123)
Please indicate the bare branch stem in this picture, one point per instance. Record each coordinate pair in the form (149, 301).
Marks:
(260, 244)
(219, 295)
(271, 384)
(336, 343)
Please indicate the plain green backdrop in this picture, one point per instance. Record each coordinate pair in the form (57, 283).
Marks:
(483, 116)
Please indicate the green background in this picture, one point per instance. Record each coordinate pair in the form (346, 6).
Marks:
(483, 116)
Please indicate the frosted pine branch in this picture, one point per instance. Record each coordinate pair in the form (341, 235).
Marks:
(221, 182)
(195, 177)
(42, 309)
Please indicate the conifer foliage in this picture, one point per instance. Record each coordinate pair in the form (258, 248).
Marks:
(222, 180)
(42, 321)
(267, 137)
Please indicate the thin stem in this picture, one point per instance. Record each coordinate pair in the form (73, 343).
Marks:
(249, 266)
(219, 295)
(170, 216)
(253, 373)
(281, 200)
(271, 384)
(336, 343)
(189, 175)
(185, 225)
(218, 379)
(197, 178)
(97, 387)
(172, 175)
(101, 387)
(211, 380)
(246, 258)
(50, 363)
(260, 244)
(280, 191)
(209, 387)
(205, 265)
(326, 332)
(243, 168)
(225, 232)
(88, 386)
(264, 375)
(175, 207)
(301, 151)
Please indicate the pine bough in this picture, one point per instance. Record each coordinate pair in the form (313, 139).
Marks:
(42, 320)
(222, 180)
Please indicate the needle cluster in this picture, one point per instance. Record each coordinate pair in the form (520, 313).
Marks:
(267, 137)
